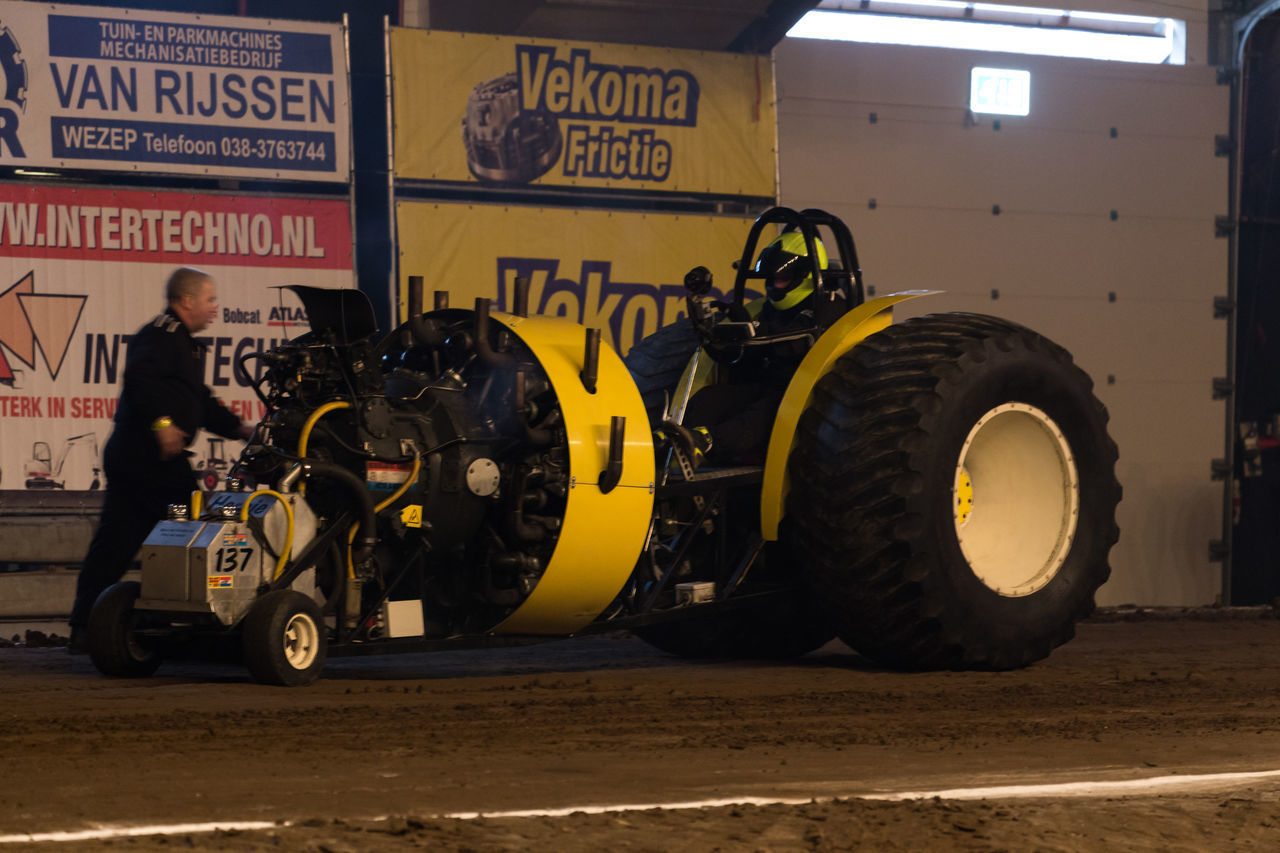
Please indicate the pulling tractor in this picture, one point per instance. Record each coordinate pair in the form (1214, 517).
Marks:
(938, 492)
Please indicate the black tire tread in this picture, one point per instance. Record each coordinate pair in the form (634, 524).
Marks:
(110, 623)
(856, 475)
(656, 363)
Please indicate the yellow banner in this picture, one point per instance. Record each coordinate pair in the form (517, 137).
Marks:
(622, 273)
(522, 111)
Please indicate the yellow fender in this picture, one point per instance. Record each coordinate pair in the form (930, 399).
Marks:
(853, 328)
(602, 535)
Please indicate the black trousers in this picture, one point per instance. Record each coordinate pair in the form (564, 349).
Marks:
(739, 418)
(140, 487)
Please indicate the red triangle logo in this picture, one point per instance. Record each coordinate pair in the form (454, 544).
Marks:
(53, 318)
(15, 331)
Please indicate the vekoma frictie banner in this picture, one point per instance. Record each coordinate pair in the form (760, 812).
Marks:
(521, 111)
(621, 273)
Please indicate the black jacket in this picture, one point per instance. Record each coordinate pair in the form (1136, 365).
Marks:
(163, 376)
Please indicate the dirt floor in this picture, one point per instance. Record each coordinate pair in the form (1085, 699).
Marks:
(382, 753)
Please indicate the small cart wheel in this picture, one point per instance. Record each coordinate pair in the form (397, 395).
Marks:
(284, 639)
(114, 644)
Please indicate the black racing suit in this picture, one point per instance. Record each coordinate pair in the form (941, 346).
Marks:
(739, 411)
(163, 375)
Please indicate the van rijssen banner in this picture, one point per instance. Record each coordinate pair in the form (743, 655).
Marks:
(82, 269)
(622, 273)
(514, 111)
(138, 91)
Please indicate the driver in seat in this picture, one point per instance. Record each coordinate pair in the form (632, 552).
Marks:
(737, 412)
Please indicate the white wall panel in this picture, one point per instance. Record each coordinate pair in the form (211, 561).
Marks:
(1129, 293)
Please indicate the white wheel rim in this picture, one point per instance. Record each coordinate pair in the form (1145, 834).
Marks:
(301, 641)
(1015, 499)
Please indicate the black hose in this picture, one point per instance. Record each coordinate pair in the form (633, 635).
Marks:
(255, 384)
(368, 539)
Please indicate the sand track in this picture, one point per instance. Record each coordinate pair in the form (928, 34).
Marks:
(602, 721)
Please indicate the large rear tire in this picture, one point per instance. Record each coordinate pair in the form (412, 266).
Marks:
(284, 639)
(954, 494)
(657, 362)
(114, 645)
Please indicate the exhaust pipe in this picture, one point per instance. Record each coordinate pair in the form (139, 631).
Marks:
(424, 332)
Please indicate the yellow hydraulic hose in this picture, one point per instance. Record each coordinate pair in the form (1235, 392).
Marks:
(395, 496)
(311, 421)
(404, 487)
(288, 514)
(197, 504)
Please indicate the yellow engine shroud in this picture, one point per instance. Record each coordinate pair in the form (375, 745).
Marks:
(602, 535)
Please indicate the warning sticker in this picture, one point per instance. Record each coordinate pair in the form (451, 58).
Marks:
(220, 581)
(412, 515)
(234, 540)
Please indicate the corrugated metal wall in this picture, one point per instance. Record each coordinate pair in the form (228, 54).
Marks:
(1093, 221)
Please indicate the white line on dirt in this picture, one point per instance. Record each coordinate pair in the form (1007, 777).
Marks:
(639, 807)
(103, 832)
(1123, 787)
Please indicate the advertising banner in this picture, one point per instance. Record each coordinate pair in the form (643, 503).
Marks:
(521, 111)
(82, 269)
(622, 273)
(141, 91)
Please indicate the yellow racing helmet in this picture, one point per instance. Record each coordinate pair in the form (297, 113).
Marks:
(785, 265)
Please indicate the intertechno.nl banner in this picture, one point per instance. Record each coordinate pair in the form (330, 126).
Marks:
(82, 269)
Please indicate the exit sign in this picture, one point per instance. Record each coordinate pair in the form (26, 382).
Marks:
(1002, 91)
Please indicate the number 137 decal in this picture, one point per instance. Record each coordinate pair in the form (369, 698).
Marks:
(232, 559)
